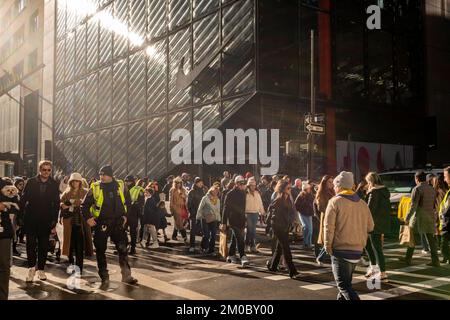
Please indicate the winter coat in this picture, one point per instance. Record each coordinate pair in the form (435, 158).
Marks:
(206, 208)
(421, 215)
(40, 211)
(177, 200)
(162, 218)
(281, 216)
(348, 222)
(67, 218)
(380, 207)
(151, 212)
(295, 191)
(110, 212)
(194, 198)
(234, 209)
(304, 204)
(253, 203)
(321, 203)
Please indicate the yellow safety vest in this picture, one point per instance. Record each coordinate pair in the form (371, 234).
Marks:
(98, 197)
(135, 192)
(443, 206)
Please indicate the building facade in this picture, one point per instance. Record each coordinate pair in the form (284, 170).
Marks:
(128, 73)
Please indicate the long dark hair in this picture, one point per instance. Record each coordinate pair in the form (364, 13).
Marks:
(280, 189)
(323, 190)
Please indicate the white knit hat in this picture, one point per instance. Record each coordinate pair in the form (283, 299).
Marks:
(75, 177)
(239, 179)
(344, 180)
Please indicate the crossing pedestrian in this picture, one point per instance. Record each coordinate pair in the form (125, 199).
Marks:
(347, 223)
(234, 217)
(208, 214)
(444, 216)
(253, 209)
(378, 200)
(6, 236)
(195, 196)
(225, 180)
(135, 210)
(305, 206)
(297, 188)
(40, 202)
(151, 219)
(421, 217)
(105, 209)
(19, 183)
(167, 187)
(281, 220)
(77, 234)
(178, 198)
(324, 193)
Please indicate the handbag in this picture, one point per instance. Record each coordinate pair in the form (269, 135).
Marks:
(223, 243)
(184, 213)
(406, 236)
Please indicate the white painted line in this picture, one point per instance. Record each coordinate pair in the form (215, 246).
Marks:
(316, 287)
(277, 278)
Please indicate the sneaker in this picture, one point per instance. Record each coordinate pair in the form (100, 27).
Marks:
(244, 261)
(154, 245)
(370, 272)
(41, 275)
(269, 267)
(247, 249)
(425, 252)
(253, 249)
(294, 275)
(364, 262)
(31, 274)
(191, 250)
(231, 259)
(319, 263)
(130, 280)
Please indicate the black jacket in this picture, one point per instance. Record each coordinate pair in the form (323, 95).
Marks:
(194, 198)
(234, 209)
(7, 232)
(151, 212)
(380, 207)
(40, 210)
(281, 214)
(137, 207)
(112, 207)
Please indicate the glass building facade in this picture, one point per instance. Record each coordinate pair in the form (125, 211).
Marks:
(119, 91)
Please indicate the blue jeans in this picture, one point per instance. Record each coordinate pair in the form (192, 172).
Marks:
(237, 240)
(252, 220)
(307, 229)
(343, 274)
(209, 235)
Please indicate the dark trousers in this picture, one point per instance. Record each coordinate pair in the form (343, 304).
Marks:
(193, 232)
(209, 236)
(175, 233)
(37, 248)
(445, 246)
(119, 238)
(374, 249)
(77, 246)
(282, 247)
(343, 274)
(431, 241)
(133, 224)
(238, 236)
(5, 266)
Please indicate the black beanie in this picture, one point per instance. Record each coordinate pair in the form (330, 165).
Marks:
(107, 171)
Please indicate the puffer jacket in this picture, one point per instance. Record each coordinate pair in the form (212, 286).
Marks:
(380, 207)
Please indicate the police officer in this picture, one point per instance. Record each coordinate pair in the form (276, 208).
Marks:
(137, 205)
(105, 209)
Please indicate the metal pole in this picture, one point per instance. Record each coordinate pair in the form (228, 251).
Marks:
(312, 111)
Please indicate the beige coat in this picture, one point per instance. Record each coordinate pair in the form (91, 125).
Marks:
(347, 224)
(177, 198)
(67, 225)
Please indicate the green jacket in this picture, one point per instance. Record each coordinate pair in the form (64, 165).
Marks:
(421, 215)
(380, 207)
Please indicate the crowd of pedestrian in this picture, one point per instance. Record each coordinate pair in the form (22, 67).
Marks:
(340, 221)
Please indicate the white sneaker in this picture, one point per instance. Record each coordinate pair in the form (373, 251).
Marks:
(425, 252)
(154, 245)
(231, 259)
(191, 250)
(244, 261)
(31, 274)
(364, 262)
(41, 275)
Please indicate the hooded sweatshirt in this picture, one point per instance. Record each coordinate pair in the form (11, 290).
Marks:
(347, 223)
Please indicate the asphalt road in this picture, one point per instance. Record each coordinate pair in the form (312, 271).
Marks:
(171, 272)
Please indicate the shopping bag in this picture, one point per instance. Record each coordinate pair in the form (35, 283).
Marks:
(223, 244)
(406, 236)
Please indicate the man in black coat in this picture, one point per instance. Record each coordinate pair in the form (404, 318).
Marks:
(234, 217)
(105, 209)
(40, 203)
(135, 210)
(6, 235)
(194, 197)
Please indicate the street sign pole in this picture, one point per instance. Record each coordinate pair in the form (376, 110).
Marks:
(310, 163)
